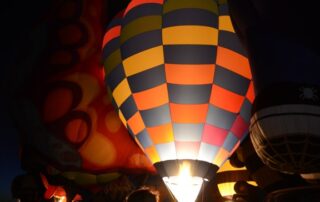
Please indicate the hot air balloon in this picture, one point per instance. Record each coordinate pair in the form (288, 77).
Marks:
(285, 123)
(68, 126)
(228, 176)
(182, 86)
(267, 179)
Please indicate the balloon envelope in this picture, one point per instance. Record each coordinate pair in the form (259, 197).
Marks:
(68, 125)
(182, 85)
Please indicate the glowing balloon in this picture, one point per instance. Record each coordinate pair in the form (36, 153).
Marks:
(68, 125)
(182, 86)
(228, 175)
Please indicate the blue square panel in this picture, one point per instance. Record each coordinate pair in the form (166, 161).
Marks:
(207, 152)
(144, 139)
(230, 142)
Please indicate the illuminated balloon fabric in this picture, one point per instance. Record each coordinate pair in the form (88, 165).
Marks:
(228, 175)
(180, 80)
(67, 117)
(285, 60)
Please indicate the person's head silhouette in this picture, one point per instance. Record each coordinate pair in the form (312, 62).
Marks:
(144, 194)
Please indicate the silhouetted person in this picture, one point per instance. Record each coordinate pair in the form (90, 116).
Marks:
(143, 194)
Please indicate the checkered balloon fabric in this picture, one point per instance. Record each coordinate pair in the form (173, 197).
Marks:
(179, 78)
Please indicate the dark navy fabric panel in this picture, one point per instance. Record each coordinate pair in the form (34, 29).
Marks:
(141, 42)
(189, 94)
(128, 108)
(231, 41)
(156, 116)
(245, 111)
(114, 22)
(190, 54)
(223, 9)
(190, 16)
(231, 81)
(147, 79)
(144, 139)
(115, 77)
(110, 47)
(220, 118)
(141, 11)
(230, 141)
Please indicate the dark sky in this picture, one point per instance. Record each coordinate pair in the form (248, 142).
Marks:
(16, 18)
(9, 157)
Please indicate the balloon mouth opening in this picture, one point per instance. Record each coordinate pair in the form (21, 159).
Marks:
(184, 189)
(185, 178)
(199, 168)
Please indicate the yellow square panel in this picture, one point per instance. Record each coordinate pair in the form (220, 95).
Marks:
(161, 134)
(190, 34)
(121, 92)
(225, 24)
(143, 61)
(221, 157)
(136, 123)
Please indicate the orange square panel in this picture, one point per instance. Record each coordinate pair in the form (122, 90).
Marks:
(225, 99)
(250, 93)
(151, 98)
(152, 154)
(161, 134)
(188, 113)
(136, 123)
(189, 74)
(233, 61)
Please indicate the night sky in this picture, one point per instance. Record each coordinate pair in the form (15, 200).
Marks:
(9, 157)
(16, 18)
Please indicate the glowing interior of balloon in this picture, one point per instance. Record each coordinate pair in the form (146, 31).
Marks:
(60, 199)
(184, 187)
(226, 189)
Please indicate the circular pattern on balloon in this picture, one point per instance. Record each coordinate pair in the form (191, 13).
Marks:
(57, 103)
(113, 122)
(98, 151)
(76, 130)
(59, 98)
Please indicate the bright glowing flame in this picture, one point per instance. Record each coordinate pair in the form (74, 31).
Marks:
(60, 199)
(184, 187)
